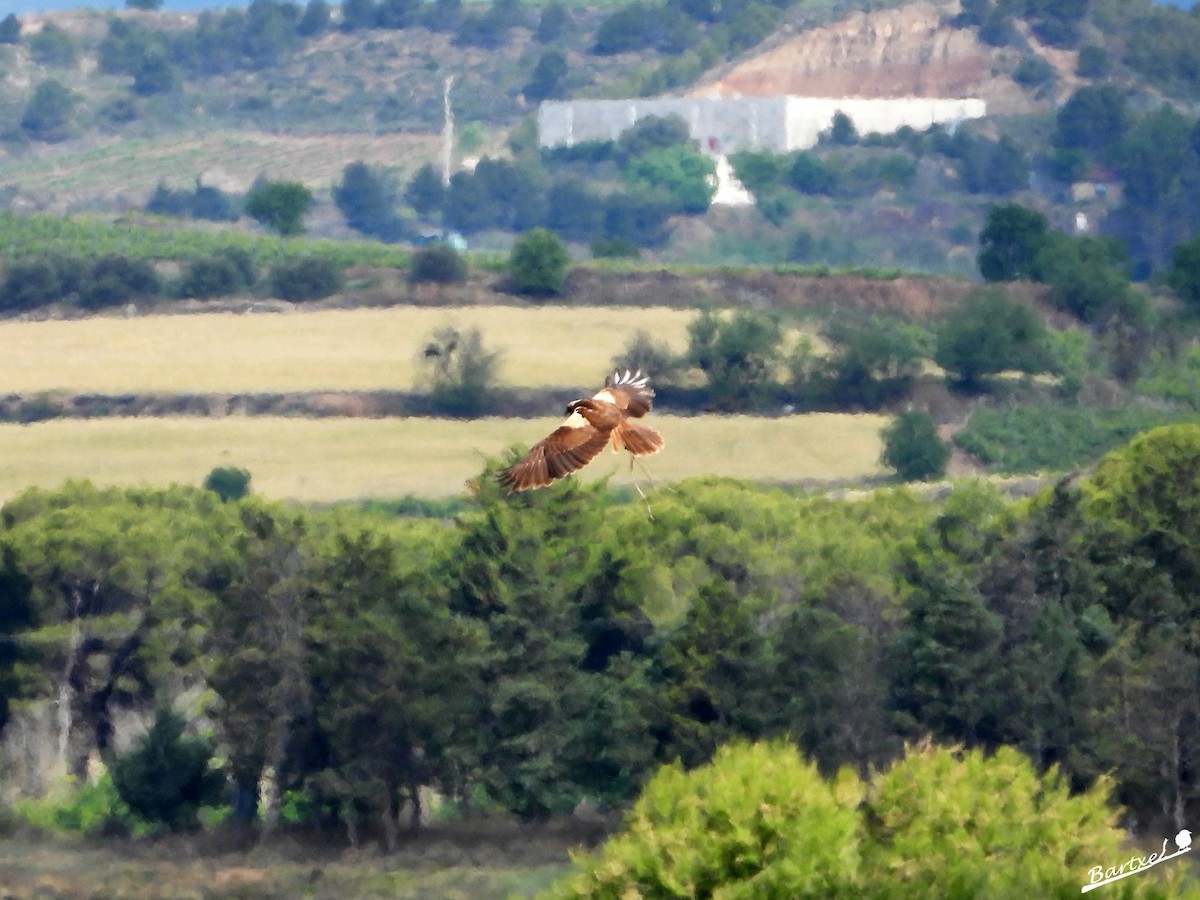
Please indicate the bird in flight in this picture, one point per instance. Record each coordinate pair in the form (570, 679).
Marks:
(590, 424)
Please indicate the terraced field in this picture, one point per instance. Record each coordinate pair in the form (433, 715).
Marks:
(340, 458)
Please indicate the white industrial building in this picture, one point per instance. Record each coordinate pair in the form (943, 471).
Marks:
(726, 124)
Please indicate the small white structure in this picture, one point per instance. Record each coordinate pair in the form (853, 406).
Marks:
(726, 124)
(730, 191)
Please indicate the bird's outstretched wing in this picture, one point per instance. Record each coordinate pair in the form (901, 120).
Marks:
(631, 393)
(571, 446)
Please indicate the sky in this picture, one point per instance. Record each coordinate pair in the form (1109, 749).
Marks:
(24, 6)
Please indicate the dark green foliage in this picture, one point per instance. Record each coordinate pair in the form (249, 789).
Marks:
(228, 482)
(167, 778)
(1010, 242)
(202, 202)
(573, 211)
(614, 248)
(810, 175)
(16, 615)
(52, 46)
(425, 192)
(990, 333)
(1093, 119)
(438, 264)
(144, 4)
(652, 133)
(154, 74)
(637, 217)
(629, 28)
(358, 14)
(681, 173)
(1053, 437)
(870, 364)
(553, 23)
(368, 202)
(29, 283)
(912, 447)
(305, 278)
(987, 166)
(279, 205)
(498, 194)
(1088, 275)
(48, 115)
(841, 131)
(546, 79)
(212, 276)
(1093, 62)
(759, 170)
(113, 280)
(738, 356)
(538, 263)
(1184, 273)
(10, 29)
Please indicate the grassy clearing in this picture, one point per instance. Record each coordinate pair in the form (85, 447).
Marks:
(62, 869)
(326, 460)
(357, 349)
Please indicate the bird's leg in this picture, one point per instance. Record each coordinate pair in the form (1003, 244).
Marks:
(653, 486)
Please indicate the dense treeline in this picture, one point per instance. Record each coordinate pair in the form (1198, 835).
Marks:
(552, 647)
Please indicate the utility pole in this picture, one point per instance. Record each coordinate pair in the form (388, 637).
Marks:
(447, 131)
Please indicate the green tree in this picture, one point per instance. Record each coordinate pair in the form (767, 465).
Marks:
(738, 356)
(439, 264)
(979, 825)
(685, 174)
(48, 114)
(305, 278)
(228, 482)
(10, 29)
(115, 279)
(1010, 242)
(368, 202)
(1184, 273)
(425, 192)
(168, 777)
(461, 372)
(52, 46)
(546, 80)
(538, 263)
(1094, 119)
(990, 333)
(279, 205)
(912, 447)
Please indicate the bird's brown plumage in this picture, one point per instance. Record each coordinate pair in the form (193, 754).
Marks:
(590, 424)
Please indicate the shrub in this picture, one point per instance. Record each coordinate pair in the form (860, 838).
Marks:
(462, 374)
(912, 447)
(438, 263)
(279, 205)
(538, 263)
(228, 482)
(89, 809)
(210, 276)
(990, 333)
(759, 821)
(114, 279)
(305, 278)
(168, 778)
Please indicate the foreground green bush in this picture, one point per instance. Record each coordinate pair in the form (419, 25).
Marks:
(760, 821)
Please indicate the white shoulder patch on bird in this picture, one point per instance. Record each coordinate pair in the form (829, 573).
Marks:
(576, 420)
(605, 396)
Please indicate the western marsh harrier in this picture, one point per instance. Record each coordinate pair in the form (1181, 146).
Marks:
(590, 424)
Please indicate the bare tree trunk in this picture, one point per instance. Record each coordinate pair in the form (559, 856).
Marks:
(391, 815)
(414, 812)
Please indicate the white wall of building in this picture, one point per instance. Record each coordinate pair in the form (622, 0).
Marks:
(724, 125)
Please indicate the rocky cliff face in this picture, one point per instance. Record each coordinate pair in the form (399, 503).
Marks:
(910, 51)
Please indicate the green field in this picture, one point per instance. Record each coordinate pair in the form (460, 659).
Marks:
(356, 349)
(325, 460)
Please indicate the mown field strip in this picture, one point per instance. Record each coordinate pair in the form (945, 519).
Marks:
(324, 460)
(354, 349)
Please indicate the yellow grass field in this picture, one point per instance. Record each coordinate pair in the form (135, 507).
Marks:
(355, 349)
(326, 460)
